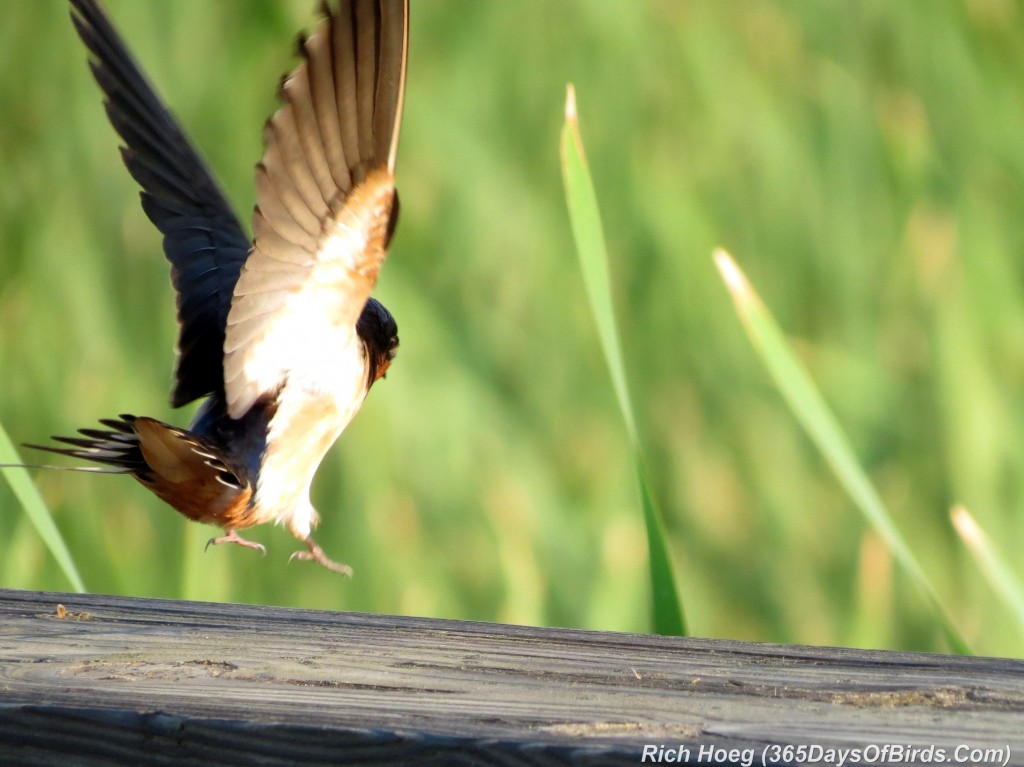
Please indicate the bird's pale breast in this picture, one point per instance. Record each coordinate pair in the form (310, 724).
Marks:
(314, 407)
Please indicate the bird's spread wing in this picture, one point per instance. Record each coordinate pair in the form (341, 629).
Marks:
(325, 200)
(203, 239)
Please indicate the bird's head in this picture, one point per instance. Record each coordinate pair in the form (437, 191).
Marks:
(379, 332)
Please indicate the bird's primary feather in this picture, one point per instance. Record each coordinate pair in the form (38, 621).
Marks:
(202, 237)
(325, 201)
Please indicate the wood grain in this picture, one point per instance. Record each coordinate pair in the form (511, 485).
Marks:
(143, 681)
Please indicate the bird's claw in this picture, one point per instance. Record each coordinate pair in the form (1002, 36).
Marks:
(233, 537)
(316, 554)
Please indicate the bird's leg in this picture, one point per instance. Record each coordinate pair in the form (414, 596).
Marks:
(316, 554)
(234, 537)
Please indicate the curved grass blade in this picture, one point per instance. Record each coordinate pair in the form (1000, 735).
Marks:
(993, 565)
(25, 491)
(667, 610)
(810, 410)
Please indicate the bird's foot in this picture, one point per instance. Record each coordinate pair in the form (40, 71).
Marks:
(316, 554)
(233, 537)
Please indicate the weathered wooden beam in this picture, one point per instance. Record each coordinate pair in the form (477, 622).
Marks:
(144, 681)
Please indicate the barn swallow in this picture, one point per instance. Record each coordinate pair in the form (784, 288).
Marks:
(278, 333)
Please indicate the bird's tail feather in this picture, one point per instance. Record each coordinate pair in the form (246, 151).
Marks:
(55, 467)
(115, 448)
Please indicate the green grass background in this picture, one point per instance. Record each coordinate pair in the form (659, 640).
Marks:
(863, 162)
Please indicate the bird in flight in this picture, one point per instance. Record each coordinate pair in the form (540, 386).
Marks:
(278, 332)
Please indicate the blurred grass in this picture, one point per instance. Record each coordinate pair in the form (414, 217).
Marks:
(814, 415)
(992, 563)
(868, 156)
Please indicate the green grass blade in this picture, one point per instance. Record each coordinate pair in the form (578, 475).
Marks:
(667, 609)
(810, 409)
(993, 565)
(26, 492)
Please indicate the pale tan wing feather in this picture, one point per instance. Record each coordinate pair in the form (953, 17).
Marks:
(387, 113)
(325, 197)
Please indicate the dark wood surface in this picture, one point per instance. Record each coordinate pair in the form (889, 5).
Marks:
(143, 681)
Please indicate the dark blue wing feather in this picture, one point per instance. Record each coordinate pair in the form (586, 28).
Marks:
(203, 239)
